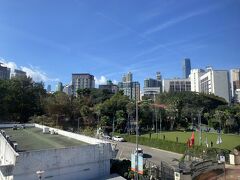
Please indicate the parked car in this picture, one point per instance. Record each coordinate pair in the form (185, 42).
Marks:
(139, 151)
(118, 138)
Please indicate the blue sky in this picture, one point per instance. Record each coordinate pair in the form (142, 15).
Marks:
(53, 39)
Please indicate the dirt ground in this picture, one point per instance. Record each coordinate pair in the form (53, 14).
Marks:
(231, 173)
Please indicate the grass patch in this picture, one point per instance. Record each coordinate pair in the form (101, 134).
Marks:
(229, 141)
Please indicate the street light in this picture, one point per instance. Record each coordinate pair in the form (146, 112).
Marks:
(199, 125)
(137, 136)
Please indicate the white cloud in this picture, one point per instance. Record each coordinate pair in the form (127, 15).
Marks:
(101, 80)
(179, 19)
(35, 73)
(115, 81)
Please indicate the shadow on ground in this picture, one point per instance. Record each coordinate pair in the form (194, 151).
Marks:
(147, 156)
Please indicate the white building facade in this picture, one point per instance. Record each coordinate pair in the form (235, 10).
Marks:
(195, 79)
(176, 85)
(216, 82)
(235, 84)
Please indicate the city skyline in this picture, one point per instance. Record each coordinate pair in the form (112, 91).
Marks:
(150, 37)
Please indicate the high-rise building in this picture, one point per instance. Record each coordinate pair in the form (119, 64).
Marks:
(186, 67)
(176, 85)
(235, 84)
(113, 88)
(4, 72)
(216, 82)
(68, 89)
(195, 79)
(82, 81)
(159, 76)
(130, 89)
(237, 96)
(127, 77)
(59, 86)
(152, 87)
(19, 74)
(49, 88)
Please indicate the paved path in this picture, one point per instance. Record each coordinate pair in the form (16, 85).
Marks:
(152, 154)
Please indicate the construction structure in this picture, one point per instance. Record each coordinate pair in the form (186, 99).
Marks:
(34, 151)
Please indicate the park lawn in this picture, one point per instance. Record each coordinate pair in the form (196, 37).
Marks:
(229, 141)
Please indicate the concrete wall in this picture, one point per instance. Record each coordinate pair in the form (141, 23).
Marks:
(79, 137)
(80, 162)
(7, 153)
(2, 126)
(8, 158)
(83, 162)
(221, 84)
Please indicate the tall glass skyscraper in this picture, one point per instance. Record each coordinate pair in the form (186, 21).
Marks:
(186, 67)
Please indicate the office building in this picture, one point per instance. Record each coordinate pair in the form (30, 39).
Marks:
(159, 76)
(4, 72)
(68, 89)
(176, 85)
(127, 77)
(82, 81)
(216, 82)
(152, 87)
(237, 96)
(186, 67)
(195, 79)
(18, 74)
(113, 88)
(49, 88)
(59, 86)
(130, 89)
(33, 151)
(235, 83)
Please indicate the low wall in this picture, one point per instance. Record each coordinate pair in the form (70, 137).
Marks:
(18, 125)
(206, 166)
(83, 162)
(8, 158)
(7, 153)
(79, 137)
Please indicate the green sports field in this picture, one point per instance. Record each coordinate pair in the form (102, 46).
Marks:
(33, 139)
(229, 141)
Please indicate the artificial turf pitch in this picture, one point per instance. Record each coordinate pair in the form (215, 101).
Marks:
(33, 139)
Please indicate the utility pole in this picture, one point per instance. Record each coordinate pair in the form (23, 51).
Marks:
(78, 124)
(200, 126)
(160, 121)
(113, 128)
(156, 121)
(137, 137)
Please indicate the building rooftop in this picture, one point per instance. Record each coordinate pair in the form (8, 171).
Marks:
(34, 139)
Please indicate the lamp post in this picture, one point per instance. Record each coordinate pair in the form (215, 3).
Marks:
(137, 138)
(200, 125)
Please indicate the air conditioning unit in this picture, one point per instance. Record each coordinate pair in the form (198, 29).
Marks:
(3, 133)
(45, 130)
(15, 146)
(7, 137)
